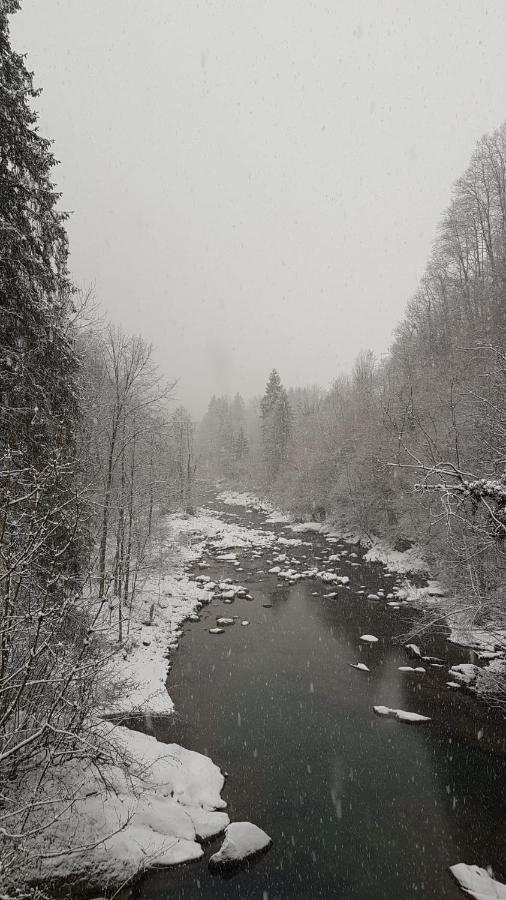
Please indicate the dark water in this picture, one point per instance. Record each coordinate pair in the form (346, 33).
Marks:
(357, 806)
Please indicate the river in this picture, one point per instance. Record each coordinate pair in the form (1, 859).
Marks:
(357, 806)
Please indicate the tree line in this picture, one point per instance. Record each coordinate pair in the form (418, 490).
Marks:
(412, 447)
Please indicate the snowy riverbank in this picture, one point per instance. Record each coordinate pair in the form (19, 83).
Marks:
(143, 804)
(489, 645)
(151, 804)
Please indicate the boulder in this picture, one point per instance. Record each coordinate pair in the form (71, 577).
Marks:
(243, 841)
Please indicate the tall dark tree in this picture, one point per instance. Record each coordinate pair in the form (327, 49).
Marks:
(37, 361)
(44, 695)
(276, 425)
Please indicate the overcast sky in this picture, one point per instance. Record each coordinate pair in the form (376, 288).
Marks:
(257, 183)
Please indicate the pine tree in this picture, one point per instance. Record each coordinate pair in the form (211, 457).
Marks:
(276, 425)
(241, 448)
(37, 361)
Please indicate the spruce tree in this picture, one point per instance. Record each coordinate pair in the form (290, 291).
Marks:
(37, 361)
(276, 425)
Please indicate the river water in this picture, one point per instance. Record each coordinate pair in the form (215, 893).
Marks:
(357, 806)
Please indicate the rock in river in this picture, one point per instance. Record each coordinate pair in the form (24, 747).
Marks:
(400, 714)
(476, 882)
(243, 840)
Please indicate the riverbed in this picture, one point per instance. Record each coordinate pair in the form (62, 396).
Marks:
(357, 806)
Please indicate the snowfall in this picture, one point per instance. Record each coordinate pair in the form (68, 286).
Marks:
(152, 804)
(149, 804)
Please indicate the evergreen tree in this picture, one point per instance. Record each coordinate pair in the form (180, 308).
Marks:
(37, 361)
(241, 448)
(276, 425)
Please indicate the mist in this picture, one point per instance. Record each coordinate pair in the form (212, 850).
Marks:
(259, 185)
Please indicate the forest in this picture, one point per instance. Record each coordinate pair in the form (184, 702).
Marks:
(93, 451)
(99, 460)
(410, 447)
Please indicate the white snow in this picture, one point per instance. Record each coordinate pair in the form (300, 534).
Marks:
(400, 714)
(152, 810)
(465, 673)
(249, 501)
(477, 882)
(300, 527)
(242, 840)
(278, 518)
(396, 561)
(368, 638)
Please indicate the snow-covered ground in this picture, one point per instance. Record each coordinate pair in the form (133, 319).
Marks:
(140, 669)
(150, 806)
(151, 803)
(248, 500)
(489, 644)
(406, 561)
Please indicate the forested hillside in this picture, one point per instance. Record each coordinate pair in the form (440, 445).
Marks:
(91, 452)
(411, 447)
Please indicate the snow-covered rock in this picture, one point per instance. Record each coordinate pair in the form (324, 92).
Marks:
(243, 840)
(223, 620)
(327, 577)
(411, 669)
(216, 630)
(131, 817)
(300, 527)
(477, 882)
(413, 651)
(400, 714)
(398, 561)
(361, 666)
(368, 638)
(465, 673)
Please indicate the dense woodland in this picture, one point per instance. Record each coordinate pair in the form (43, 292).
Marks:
(413, 447)
(92, 450)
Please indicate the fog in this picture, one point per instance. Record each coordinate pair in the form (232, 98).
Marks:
(259, 184)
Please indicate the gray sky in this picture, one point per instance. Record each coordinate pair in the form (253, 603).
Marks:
(257, 184)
